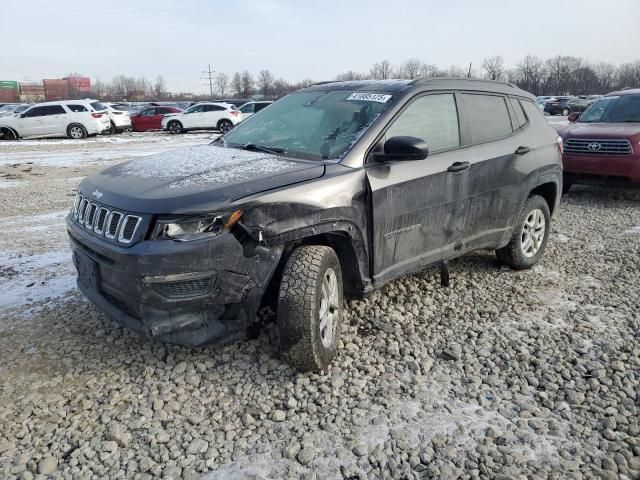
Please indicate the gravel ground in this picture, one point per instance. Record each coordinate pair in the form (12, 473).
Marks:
(503, 375)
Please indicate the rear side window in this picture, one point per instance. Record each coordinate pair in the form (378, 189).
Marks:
(260, 106)
(77, 108)
(162, 111)
(534, 114)
(248, 108)
(98, 106)
(521, 118)
(487, 116)
(433, 118)
(213, 108)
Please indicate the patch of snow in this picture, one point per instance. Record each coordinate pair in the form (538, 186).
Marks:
(10, 183)
(633, 231)
(206, 164)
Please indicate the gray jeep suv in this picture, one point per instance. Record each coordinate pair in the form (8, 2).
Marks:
(335, 189)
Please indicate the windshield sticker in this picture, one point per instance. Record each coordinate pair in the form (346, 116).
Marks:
(369, 97)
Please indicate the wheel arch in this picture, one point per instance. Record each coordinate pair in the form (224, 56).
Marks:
(6, 129)
(549, 191)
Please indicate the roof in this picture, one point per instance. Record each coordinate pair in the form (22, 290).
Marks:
(402, 86)
(65, 102)
(627, 91)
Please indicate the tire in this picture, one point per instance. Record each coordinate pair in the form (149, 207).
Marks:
(224, 126)
(311, 283)
(76, 131)
(529, 240)
(8, 134)
(565, 112)
(112, 129)
(175, 127)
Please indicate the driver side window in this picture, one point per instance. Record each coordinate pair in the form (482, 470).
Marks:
(433, 118)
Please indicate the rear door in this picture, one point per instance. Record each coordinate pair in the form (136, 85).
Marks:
(414, 203)
(501, 154)
(212, 114)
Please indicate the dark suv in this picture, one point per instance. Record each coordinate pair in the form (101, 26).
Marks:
(558, 106)
(339, 187)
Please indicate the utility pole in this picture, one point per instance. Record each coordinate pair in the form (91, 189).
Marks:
(469, 72)
(209, 77)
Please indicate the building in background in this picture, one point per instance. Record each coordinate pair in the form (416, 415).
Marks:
(8, 91)
(31, 92)
(56, 89)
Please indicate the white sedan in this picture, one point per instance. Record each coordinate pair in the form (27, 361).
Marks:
(203, 116)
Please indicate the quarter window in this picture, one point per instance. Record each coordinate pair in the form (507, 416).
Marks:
(521, 118)
(77, 108)
(433, 118)
(487, 116)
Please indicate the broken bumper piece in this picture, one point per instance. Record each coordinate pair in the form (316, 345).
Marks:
(187, 293)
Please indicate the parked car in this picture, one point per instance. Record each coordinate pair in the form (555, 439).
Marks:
(250, 108)
(69, 118)
(557, 106)
(578, 105)
(602, 145)
(151, 118)
(13, 108)
(203, 116)
(335, 189)
(237, 102)
(120, 119)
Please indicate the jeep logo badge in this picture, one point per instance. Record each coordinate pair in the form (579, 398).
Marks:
(97, 194)
(594, 146)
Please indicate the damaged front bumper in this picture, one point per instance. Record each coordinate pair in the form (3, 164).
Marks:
(187, 293)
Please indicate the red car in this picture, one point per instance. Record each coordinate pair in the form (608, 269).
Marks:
(151, 118)
(602, 145)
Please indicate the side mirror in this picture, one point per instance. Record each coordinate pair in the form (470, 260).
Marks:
(573, 117)
(22, 115)
(402, 148)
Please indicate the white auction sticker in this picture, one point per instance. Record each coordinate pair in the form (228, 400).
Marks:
(369, 97)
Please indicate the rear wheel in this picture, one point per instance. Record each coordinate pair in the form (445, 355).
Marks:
(310, 307)
(530, 236)
(565, 112)
(76, 131)
(224, 126)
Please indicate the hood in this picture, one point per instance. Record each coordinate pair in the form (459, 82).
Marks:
(629, 131)
(195, 179)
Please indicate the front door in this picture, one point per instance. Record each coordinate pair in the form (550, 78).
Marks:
(32, 122)
(415, 203)
(193, 118)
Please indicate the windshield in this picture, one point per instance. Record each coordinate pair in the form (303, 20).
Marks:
(311, 124)
(614, 109)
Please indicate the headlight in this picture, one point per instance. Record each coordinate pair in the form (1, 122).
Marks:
(194, 228)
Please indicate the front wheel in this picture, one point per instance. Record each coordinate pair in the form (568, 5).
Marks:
(76, 131)
(530, 236)
(175, 127)
(310, 307)
(224, 126)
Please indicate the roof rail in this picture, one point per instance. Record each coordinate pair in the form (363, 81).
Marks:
(429, 79)
(323, 82)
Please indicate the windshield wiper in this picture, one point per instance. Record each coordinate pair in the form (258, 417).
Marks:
(259, 148)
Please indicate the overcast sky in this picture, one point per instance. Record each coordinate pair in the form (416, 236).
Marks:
(314, 39)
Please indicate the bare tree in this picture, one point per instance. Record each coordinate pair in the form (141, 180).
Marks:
(350, 76)
(221, 84)
(530, 74)
(236, 84)
(382, 70)
(494, 66)
(247, 83)
(606, 73)
(428, 70)
(160, 88)
(265, 82)
(410, 69)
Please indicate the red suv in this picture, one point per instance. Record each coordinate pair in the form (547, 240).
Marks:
(602, 145)
(151, 118)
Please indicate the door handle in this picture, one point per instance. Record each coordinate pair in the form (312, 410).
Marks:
(522, 150)
(457, 167)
